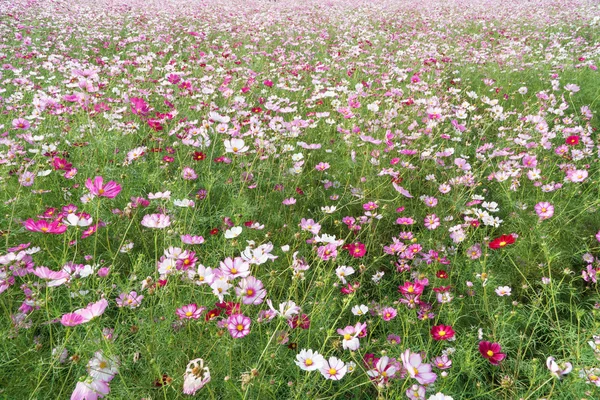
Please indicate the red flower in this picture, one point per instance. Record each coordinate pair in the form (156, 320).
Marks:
(212, 314)
(442, 274)
(214, 231)
(357, 250)
(442, 332)
(502, 241)
(299, 321)
(491, 351)
(572, 140)
(199, 156)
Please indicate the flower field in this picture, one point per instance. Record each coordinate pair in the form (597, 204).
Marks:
(333, 199)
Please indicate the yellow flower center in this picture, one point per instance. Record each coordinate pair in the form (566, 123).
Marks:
(102, 364)
(101, 191)
(442, 333)
(490, 353)
(239, 327)
(44, 229)
(347, 336)
(234, 271)
(502, 244)
(188, 314)
(308, 362)
(249, 292)
(332, 371)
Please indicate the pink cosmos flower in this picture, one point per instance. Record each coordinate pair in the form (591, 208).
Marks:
(385, 368)
(93, 310)
(27, 178)
(131, 300)
(577, 175)
(322, 166)
(54, 227)
(310, 226)
(98, 188)
(238, 325)
(90, 389)
(190, 311)
(20, 123)
(188, 174)
(413, 363)
(71, 319)
(431, 222)
(388, 313)
(189, 239)
(350, 336)
(544, 210)
(251, 290)
(56, 278)
(156, 221)
(234, 268)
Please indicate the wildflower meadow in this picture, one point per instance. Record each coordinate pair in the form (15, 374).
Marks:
(299, 199)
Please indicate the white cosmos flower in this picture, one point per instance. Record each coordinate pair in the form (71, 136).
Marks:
(233, 232)
(235, 146)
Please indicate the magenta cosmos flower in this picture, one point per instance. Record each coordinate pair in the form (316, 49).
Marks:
(190, 311)
(54, 227)
(98, 188)
(491, 351)
(238, 325)
(442, 332)
(357, 250)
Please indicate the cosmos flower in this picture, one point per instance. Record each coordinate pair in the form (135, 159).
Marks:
(501, 242)
(131, 300)
(90, 389)
(413, 363)
(308, 360)
(544, 210)
(557, 370)
(93, 310)
(43, 226)
(491, 351)
(195, 377)
(238, 325)
(190, 311)
(357, 250)
(156, 221)
(98, 188)
(503, 291)
(235, 146)
(103, 368)
(442, 332)
(334, 369)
